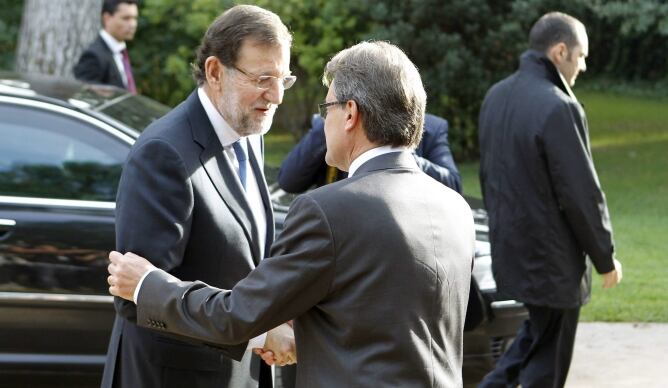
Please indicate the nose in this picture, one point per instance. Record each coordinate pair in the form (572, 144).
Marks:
(583, 65)
(275, 93)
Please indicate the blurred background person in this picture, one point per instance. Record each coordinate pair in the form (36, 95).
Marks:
(106, 60)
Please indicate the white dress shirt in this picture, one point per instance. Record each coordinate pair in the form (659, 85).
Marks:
(116, 48)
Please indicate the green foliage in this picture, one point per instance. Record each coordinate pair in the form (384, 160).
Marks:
(9, 29)
(169, 31)
(460, 46)
(629, 39)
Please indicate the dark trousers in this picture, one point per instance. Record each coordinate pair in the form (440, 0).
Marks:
(541, 353)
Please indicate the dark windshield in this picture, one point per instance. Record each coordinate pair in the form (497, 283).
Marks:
(135, 111)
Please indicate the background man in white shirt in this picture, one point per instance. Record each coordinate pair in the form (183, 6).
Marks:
(106, 60)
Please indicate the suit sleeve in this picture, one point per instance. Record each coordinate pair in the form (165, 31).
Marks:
(295, 278)
(89, 68)
(577, 187)
(436, 159)
(299, 169)
(153, 208)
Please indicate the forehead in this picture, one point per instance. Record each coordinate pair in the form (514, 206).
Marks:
(264, 58)
(126, 9)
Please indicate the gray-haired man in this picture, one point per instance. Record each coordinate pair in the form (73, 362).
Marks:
(193, 198)
(375, 269)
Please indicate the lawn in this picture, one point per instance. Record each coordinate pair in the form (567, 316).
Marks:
(630, 146)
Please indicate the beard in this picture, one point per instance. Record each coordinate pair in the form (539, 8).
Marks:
(242, 119)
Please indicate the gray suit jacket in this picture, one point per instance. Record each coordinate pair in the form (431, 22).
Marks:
(180, 203)
(375, 270)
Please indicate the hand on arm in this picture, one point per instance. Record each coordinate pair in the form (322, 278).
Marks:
(279, 348)
(125, 272)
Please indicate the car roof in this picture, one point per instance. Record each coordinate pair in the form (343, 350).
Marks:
(58, 90)
(130, 113)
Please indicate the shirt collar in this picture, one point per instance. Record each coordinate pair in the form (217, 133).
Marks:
(370, 154)
(225, 133)
(115, 46)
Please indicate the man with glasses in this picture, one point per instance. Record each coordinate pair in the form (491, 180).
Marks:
(193, 197)
(374, 269)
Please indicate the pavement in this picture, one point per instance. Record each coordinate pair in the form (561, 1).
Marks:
(615, 355)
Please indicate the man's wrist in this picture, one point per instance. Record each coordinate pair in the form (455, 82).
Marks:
(257, 342)
(135, 295)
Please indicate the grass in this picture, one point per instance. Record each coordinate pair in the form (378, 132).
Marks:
(630, 146)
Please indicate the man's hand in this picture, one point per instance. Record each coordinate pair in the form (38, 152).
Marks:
(125, 271)
(613, 277)
(279, 347)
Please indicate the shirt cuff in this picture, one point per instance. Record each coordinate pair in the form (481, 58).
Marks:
(135, 296)
(257, 342)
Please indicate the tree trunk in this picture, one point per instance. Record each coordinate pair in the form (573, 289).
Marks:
(54, 33)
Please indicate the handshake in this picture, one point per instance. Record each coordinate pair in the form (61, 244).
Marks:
(279, 347)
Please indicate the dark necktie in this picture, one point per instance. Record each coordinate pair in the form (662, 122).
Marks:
(240, 152)
(128, 71)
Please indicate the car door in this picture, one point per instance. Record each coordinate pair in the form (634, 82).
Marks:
(59, 171)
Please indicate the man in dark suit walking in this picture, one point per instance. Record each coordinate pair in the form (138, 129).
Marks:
(106, 60)
(374, 269)
(193, 197)
(547, 212)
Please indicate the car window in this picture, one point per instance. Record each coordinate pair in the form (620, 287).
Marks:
(135, 111)
(49, 155)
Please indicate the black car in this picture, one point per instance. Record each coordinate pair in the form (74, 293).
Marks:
(62, 149)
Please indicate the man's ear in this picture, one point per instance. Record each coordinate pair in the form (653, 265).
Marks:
(105, 17)
(558, 53)
(213, 71)
(353, 116)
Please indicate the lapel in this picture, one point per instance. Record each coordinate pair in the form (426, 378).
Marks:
(113, 72)
(258, 171)
(221, 172)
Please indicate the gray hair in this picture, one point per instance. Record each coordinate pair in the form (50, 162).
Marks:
(553, 28)
(225, 36)
(387, 88)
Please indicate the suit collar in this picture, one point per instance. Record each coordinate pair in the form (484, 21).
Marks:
(393, 160)
(539, 64)
(221, 173)
(111, 42)
(370, 154)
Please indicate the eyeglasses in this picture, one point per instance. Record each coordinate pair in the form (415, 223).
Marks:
(322, 108)
(265, 82)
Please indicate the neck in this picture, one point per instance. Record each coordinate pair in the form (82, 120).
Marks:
(358, 149)
(113, 37)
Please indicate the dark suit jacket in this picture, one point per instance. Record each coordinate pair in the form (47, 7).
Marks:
(180, 203)
(374, 269)
(97, 65)
(305, 164)
(545, 205)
